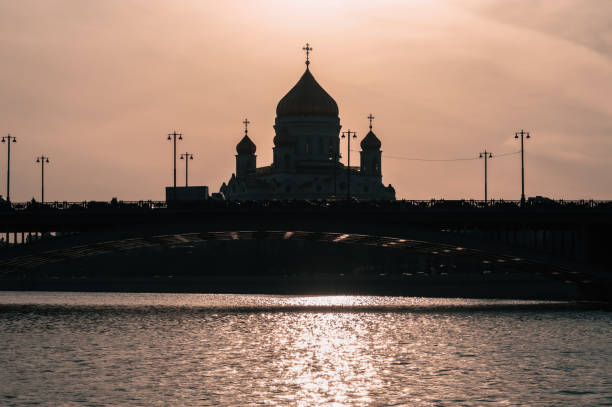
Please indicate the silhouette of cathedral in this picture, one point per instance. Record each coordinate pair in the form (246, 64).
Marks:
(306, 152)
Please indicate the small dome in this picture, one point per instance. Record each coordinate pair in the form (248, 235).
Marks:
(370, 142)
(283, 138)
(246, 146)
(307, 98)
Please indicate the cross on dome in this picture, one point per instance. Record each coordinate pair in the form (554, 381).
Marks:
(246, 123)
(370, 141)
(307, 48)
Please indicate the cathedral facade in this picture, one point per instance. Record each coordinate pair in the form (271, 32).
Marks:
(306, 154)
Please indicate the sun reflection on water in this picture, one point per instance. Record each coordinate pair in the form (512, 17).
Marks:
(328, 301)
(325, 362)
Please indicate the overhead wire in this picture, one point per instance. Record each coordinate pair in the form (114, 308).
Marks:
(505, 154)
(395, 157)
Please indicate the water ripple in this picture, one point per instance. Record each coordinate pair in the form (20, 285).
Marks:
(195, 350)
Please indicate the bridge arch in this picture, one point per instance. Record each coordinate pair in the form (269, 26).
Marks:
(293, 262)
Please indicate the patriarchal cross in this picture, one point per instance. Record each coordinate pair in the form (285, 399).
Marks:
(246, 126)
(307, 48)
(370, 117)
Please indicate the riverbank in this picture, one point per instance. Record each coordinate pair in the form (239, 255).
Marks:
(455, 286)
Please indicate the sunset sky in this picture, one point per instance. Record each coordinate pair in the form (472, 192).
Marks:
(97, 85)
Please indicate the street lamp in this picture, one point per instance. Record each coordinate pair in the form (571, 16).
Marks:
(523, 135)
(334, 156)
(186, 157)
(8, 140)
(42, 160)
(173, 136)
(347, 134)
(486, 155)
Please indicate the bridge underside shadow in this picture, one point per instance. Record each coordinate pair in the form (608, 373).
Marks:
(291, 262)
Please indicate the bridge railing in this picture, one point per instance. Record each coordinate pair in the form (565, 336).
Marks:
(65, 205)
(467, 204)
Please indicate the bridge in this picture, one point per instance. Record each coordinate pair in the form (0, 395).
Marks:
(468, 248)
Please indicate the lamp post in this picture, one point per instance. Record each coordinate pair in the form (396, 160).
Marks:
(334, 156)
(186, 157)
(173, 136)
(347, 134)
(486, 155)
(523, 135)
(8, 140)
(42, 160)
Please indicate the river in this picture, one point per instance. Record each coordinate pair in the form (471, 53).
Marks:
(102, 349)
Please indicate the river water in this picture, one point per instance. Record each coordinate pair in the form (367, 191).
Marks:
(103, 349)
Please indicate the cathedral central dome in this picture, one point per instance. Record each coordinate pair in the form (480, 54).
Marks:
(307, 98)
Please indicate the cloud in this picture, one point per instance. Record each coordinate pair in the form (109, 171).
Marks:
(585, 23)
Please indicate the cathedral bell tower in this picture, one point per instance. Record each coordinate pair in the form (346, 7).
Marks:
(246, 160)
(370, 153)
